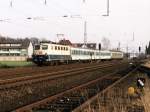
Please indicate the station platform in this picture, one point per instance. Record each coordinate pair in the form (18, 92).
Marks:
(147, 64)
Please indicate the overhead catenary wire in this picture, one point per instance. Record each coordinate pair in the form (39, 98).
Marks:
(41, 18)
(45, 2)
(59, 7)
(11, 3)
(83, 1)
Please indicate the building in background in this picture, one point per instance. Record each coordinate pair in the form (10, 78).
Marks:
(65, 42)
(79, 45)
(16, 50)
(88, 45)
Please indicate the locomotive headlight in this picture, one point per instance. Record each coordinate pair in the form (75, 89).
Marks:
(40, 52)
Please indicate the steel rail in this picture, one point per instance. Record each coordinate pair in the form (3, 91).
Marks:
(30, 83)
(86, 104)
(48, 72)
(52, 98)
(28, 71)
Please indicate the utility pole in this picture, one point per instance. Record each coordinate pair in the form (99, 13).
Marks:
(119, 46)
(107, 7)
(133, 36)
(133, 44)
(11, 4)
(45, 2)
(85, 27)
(85, 33)
(107, 14)
(139, 50)
(127, 51)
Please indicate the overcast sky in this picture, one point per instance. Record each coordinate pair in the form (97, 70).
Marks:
(126, 17)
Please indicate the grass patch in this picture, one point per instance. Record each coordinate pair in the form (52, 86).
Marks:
(11, 64)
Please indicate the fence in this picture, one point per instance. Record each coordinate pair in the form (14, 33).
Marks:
(13, 58)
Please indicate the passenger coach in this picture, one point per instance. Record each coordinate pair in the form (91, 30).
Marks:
(55, 53)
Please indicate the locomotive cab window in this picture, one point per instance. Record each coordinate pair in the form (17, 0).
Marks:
(37, 47)
(44, 47)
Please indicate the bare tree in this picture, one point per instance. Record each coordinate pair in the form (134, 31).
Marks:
(34, 40)
(105, 43)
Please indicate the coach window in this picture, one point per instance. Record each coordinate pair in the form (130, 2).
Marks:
(75, 52)
(66, 48)
(82, 52)
(58, 48)
(55, 47)
(86, 53)
(79, 52)
(61, 48)
(44, 47)
(51, 47)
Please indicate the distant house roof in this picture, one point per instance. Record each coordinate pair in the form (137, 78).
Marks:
(65, 42)
(47, 42)
(88, 45)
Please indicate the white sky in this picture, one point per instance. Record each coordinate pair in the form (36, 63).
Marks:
(126, 17)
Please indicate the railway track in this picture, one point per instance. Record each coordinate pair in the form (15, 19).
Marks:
(32, 71)
(17, 92)
(103, 95)
(68, 100)
(23, 80)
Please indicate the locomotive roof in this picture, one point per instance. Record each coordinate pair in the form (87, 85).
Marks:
(77, 46)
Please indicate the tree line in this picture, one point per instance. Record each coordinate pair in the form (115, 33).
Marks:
(147, 50)
(4, 39)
